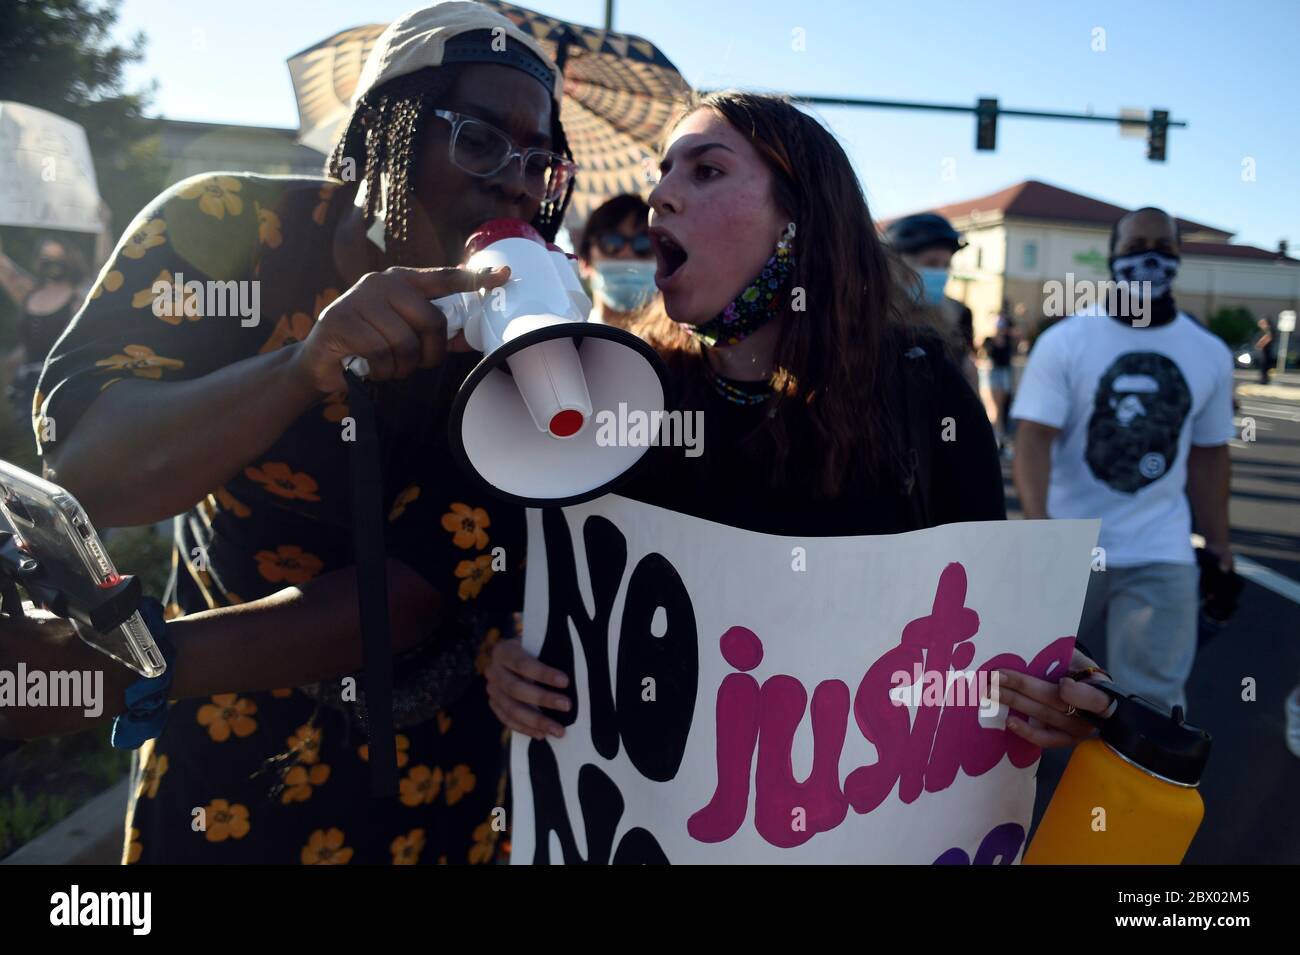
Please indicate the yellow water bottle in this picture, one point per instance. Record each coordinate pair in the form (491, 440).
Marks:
(1128, 796)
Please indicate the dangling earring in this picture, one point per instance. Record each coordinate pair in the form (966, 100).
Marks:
(787, 236)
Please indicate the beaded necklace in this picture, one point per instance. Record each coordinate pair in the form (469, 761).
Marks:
(737, 392)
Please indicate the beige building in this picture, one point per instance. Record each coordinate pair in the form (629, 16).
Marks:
(192, 148)
(1032, 233)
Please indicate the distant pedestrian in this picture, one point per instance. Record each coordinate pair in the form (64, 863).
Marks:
(46, 302)
(1127, 419)
(1265, 349)
(926, 244)
(999, 348)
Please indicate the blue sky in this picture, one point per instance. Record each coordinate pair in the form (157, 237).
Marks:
(1229, 69)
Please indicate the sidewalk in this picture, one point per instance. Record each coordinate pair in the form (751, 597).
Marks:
(1283, 387)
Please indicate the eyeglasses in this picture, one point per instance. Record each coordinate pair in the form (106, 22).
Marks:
(482, 150)
(612, 243)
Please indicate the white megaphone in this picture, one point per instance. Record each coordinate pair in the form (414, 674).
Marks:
(526, 420)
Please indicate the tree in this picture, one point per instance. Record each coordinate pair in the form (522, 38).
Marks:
(59, 55)
(1235, 325)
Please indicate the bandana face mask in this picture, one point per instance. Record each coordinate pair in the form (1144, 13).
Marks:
(757, 304)
(1154, 267)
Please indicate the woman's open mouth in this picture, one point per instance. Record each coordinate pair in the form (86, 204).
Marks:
(670, 256)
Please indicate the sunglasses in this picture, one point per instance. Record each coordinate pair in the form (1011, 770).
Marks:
(612, 243)
(483, 150)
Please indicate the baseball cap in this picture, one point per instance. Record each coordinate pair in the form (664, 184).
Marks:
(428, 37)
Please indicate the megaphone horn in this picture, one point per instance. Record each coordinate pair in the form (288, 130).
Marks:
(524, 420)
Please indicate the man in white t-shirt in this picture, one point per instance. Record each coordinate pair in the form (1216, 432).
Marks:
(1125, 413)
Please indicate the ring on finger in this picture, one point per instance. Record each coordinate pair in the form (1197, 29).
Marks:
(1071, 711)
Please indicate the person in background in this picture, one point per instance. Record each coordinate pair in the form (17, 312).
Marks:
(1265, 350)
(926, 243)
(1127, 418)
(46, 302)
(617, 261)
(999, 348)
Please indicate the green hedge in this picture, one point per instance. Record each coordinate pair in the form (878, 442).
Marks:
(1235, 325)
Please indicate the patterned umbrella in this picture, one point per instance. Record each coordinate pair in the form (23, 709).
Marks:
(619, 94)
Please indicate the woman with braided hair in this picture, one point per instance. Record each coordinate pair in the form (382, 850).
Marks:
(165, 406)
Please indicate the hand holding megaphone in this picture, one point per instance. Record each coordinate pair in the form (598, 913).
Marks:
(543, 291)
(525, 420)
(388, 320)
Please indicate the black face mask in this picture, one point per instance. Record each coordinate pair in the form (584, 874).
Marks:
(53, 272)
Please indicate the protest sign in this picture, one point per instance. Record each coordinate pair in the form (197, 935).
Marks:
(47, 178)
(694, 649)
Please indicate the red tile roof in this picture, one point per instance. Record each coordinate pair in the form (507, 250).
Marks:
(1235, 252)
(1032, 199)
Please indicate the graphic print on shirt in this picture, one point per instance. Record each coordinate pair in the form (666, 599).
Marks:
(1141, 403)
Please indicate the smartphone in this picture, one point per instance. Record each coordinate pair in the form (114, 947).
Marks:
(51, 525)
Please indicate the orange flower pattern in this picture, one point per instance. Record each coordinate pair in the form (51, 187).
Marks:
(288, 564)
(228, 714)
(145, 236)
(284, 481)
(288, 330)
(268, 226)
(459, 781)
(325, 847)
(408, 495)
(225, 821)
(421, 785)
(279, 757)
(111, 282)
(141, 362)
(217, 195)
(406, 849)
(299, 780)
(305, 743)
(474, 574)
(467, 525)
(155, 768)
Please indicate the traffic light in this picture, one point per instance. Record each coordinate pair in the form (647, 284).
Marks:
(1157, 130)
(986, 124)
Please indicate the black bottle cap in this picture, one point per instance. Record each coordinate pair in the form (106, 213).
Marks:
(1155, 740)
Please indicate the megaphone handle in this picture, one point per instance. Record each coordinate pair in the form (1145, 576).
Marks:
(461, 309)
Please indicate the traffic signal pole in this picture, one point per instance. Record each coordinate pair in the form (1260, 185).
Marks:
(987, 111)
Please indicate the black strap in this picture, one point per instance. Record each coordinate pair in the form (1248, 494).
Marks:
(372, 588)
(917, 450)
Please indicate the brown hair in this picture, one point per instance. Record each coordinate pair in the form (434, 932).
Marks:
(608, 217)
(834, 367)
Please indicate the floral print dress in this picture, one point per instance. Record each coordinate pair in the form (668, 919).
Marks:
(278, 776)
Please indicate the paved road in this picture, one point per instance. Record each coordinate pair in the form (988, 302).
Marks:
(1252, 785)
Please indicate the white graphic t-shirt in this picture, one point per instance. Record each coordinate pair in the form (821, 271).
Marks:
(1130, 403)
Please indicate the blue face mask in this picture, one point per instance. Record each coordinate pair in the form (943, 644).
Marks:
(624, 284)
(932, 282)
